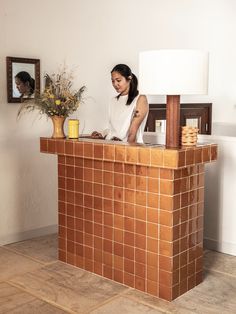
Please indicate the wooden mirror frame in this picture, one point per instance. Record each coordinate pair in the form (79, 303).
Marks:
(10, 73)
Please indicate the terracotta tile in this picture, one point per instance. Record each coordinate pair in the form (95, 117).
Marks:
(141, 198)
(61, 159)
(129, 252)
(97, 164)
(199, 277)
(152, 245)
(118, 235)
(177, 174)
(43, 145)
(166, 202)
(108, 219)
(98, 151)
(130, 196)
(107, 232)
(177, 217)
(140, 256)
(119, 167)
(140, 227)
(189, 157)
(129, 238)
(97, 202)
(166, 187)
(153, 172)
(118, 194)
(165, 263)
(131, 155)
(70, 171)
(107, 247)
(153, 200)
(175, 291)
(191, 282)
(165, 293)
(166, 218)
(166, 248)
(182, 158)
(183, 286)
(130, 181)
(141, 183)
(98, 241)
(129, 280)
(140, 241)
(108, 178)
(206, 154)
(166, 233)
(153, 185)
(118, 249)
(88, 150)
(129, 224)
(185, 199)
(79, 149)
(214, 152)
(141, 170)
(165, 278)
(140, 212)
(97, 230)
(107, 272)
(88, 174)
(118, 262)
(62, 183)
(109, 152)
(170, 158)
(61, 195)
(118, 276)
(152, 215)
(152, 288)
(184, 229)
(88, 201)
(130, 169)
(152, 273)
(152, 259)
(79, 173)
(140, 284)
(152, 230)
(107, 191)
(144, 156)
(120, 152)
(166, 174)
(108, 166)
(118, 207)
(156, 157)
(61, 207)
(118, 179)
(129, 266)
(191, 268)
(129, 210)
(97, 189)
(69, 147)
(60, 146)
(140, 270)
(119, 222)
(87, 187)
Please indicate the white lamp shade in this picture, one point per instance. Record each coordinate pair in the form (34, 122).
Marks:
(173, 72)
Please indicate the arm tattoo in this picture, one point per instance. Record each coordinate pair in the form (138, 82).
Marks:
(136, 114)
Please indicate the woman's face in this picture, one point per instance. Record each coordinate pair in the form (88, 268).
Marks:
(120, 83)
(23, 88)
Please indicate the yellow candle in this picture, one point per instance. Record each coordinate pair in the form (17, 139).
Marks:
(73, 128)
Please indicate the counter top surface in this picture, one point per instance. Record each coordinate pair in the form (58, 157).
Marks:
(155, 155)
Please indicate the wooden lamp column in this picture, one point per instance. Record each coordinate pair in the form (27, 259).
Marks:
(173, 121)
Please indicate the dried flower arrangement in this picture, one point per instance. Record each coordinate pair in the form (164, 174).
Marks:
(57, 99)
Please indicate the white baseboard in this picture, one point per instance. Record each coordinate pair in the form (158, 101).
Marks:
(223, 247)
(29, 234)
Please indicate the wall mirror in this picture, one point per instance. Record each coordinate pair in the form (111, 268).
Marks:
(23, 78)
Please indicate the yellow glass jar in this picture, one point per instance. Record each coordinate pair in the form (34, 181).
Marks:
(73, 128)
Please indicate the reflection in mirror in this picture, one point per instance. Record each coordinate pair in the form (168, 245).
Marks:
(23, 78)
(193, 122)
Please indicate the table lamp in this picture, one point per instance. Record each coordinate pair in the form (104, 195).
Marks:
(173, 72)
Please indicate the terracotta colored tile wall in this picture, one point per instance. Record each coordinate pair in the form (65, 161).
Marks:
(138, 225)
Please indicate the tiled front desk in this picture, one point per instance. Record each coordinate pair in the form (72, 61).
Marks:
(133, 214)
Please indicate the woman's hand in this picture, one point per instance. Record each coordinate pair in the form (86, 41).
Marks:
(97, 135)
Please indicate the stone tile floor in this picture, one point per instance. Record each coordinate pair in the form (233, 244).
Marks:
(33, 281)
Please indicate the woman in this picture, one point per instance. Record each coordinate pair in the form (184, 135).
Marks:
(25, 84)
(128, 111)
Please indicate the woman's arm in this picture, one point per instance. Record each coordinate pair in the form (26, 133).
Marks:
(141, 111)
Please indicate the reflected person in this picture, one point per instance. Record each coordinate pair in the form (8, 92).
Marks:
(25, 84)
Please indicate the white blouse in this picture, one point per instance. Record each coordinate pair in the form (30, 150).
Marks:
(120, 117)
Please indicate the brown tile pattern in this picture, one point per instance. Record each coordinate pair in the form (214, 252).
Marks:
(156, 156)
(137, 224)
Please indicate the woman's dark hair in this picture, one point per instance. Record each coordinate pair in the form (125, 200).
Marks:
(25, 77)
(125, 71)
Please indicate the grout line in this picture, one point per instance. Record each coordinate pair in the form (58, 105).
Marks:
(40, 298)
(219, 272)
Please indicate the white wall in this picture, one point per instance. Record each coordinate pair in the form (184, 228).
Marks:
(94, 36)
